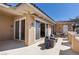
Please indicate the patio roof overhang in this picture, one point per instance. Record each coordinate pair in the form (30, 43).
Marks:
(8, 11)
(43, 14)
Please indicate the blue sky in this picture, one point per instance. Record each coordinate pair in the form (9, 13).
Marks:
(59, 11)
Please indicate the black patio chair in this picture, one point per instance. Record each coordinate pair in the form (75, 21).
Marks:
(47, 42)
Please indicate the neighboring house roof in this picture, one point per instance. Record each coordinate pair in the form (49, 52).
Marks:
(64, 21)
(38, 9)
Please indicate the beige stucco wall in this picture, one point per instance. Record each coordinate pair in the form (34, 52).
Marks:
(24, 8)
(59, 26)
(74, 40)
(75, 44)
(6, 31)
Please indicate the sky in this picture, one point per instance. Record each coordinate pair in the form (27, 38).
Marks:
(59, 11)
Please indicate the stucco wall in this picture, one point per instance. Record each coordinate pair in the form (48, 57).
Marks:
(59, 26)
(24, 8)
(74, 40)
(6, 31)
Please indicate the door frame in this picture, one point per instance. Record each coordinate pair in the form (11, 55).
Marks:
(19, 19)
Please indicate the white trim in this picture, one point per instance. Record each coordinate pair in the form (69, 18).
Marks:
(46, 30)
(20, 30)
(14, 29)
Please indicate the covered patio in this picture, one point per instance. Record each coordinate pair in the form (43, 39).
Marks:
(7, 17)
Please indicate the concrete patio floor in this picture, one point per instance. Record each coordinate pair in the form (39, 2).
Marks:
(62, 47)
(35, 49)
(10, 44)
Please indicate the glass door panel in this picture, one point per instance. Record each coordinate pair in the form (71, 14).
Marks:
(37, 30)
(22, 29)
(17, 29)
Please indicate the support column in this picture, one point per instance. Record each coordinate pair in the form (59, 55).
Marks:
(49, 29)
(29, 30)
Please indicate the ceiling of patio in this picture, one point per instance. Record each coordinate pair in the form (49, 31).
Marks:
(8, 12)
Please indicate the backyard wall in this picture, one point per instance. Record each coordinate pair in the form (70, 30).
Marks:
(74, 40)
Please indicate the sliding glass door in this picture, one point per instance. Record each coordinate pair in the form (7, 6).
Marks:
(37, 30)
(20, 29)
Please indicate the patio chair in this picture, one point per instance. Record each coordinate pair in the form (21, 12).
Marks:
(52, 36)
(53, 40)
(47, 42)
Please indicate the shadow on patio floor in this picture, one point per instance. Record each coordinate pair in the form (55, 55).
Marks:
(66, 44)
(43, 46)
(11, 44)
